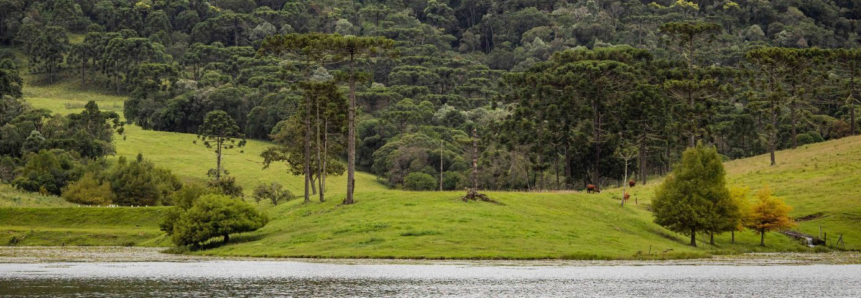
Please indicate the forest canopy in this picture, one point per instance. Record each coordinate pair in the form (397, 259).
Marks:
(553, 89)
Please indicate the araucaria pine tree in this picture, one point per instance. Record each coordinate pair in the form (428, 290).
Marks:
(220, 132)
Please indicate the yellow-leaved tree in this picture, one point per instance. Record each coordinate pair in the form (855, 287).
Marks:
(769, 213)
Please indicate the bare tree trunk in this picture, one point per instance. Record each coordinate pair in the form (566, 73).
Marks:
(773, 139)
(441, 153)
(325, 161)
(625, 183)
(218, 162)
(475, 160)
(319, 151)
(308, 181)
(351, 136)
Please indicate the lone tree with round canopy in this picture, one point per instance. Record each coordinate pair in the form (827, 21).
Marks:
(694, 198)
(769, 213)
(220, 132)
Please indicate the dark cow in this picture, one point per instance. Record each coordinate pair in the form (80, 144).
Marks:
(632, 183)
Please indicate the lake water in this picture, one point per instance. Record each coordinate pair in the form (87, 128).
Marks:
(300, 279)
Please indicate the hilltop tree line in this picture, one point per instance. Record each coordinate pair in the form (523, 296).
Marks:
(555, 90)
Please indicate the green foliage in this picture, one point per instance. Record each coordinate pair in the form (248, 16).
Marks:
(213, 216)
(420, 181)
(694, 198)
(89, 191)
(226, 185)
(272, 192)
(10, 81)
(47, 172)
(141, 183)
(219, 132)
(453, 181)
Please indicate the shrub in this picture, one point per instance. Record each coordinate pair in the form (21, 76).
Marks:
(212, 216)
(804, 139)
(47, 172)
(89, 191)
(227, 186)
(140, 182)
(273, 192)
(419, 181)
(453, 180)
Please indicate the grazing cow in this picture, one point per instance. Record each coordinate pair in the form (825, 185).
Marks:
(627, 196)
(591, 188)
(632, 183)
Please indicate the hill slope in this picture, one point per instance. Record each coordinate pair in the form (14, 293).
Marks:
(388, 223)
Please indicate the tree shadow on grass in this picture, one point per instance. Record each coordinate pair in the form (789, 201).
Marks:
(234, 239)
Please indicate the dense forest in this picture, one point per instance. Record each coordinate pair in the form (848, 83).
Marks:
(557, 94)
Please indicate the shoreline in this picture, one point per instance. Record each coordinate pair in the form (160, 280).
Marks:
(115, 254)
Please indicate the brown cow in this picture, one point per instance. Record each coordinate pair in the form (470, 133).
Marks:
(627, 196)
(591, 188)
(632, 183)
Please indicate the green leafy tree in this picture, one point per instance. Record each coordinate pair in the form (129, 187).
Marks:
(219, 132)
(10, 80)
(141, 183)
(47, 172)
(213, 216)
(694, 198)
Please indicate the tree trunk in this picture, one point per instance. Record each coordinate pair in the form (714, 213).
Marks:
(642, 158)
(852, 98)
(351, 136)
(475, 160)
(773, 141)
(218, 162)
(226, 237)
(693, 237)
(762, 238)
(733, 236)
(308, 181)
(625, 183)
(314, 184)
(325, 161)
(441, 152)
(712, 238)
(319, 151)
(794, 129)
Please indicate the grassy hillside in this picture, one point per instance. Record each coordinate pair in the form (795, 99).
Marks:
(820, 181)
(397, 224)
(82, 226)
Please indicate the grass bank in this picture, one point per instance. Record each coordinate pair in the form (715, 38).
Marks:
(437, 225)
